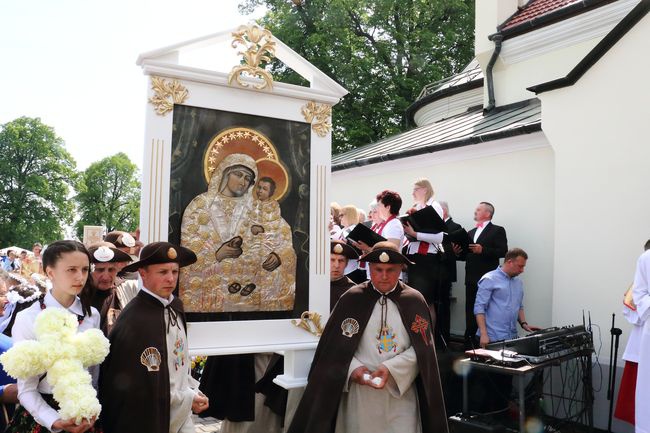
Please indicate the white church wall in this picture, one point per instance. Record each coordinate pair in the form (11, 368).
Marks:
(514, 174)
(511, 80)
(598, 130)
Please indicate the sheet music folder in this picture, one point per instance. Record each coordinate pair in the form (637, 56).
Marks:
(364, 234)
(426, 220)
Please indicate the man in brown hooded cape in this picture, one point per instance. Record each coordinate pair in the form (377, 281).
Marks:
(375, 368)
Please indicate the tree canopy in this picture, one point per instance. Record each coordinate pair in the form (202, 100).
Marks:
(108, 194)
(382, 51)
(35, 175)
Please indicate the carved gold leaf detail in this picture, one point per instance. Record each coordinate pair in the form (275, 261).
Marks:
(166, 94)
(258, 46)
(319, 116)
(310, 321)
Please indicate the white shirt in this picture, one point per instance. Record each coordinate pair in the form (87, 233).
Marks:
(353, 264)
(433, 239)
(29, 390)
(479, 230)
(182, 386)
(393, 230)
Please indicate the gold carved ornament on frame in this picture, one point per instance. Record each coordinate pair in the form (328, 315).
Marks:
(319, 116)
(310, 322)
(166, 94)
(258, 47)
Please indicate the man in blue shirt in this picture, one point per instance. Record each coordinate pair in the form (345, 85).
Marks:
(498, 308)
(499, 300)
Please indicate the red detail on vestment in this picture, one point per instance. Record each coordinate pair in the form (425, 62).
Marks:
(420, 326)
(625, 401)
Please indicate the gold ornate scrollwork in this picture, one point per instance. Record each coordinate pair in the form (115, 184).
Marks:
(310, 322)
(166, 94)
(319, 116)
(259, 47)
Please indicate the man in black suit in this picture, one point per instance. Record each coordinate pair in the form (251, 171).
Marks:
(443, 311)
(487, 244)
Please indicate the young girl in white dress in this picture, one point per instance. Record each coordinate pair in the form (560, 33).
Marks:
(66, 264)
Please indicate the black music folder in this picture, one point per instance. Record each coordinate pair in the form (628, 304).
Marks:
(426, 220)
(364, 234)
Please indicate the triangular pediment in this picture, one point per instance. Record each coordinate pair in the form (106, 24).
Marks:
(214, 54)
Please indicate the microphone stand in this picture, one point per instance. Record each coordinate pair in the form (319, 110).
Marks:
(611, 386)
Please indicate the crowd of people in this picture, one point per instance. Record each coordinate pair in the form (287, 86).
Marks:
(24, 262)
(432, 256)
(377, 355)
(144, 384)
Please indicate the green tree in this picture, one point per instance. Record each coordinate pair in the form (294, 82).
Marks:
(35, 175)
(108, 194)
(382, 51)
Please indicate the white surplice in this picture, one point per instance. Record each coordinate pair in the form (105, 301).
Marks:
(394, 408)
(641, 294)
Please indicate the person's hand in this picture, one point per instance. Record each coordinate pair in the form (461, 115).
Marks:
(484, 339)
(530, 328)
(409, 230)
(271, 262)
(230, 250)
(358, 373)
(200, 403)
(364, 247)
(70, 426)
(456, 249)
(381, 372)
(10, 393)
(476, 248)
(256, 229)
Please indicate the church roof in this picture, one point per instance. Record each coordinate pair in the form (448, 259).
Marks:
(470, 78)
(472, 127)
(538, 13)
(630, 20)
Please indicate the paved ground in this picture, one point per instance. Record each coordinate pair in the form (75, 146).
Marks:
(205, 425)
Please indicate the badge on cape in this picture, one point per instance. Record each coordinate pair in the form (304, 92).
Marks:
(420, 326)
(349, 327)
(151, 359)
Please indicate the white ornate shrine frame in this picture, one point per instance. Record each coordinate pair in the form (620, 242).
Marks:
(171, 82)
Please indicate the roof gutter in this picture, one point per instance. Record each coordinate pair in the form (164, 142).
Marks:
(435, 147)
(498, 39)
(552, 17)
(597, 52)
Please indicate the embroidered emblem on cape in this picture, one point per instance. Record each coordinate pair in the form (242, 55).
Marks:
(383, 257)
(338, 249)
(386, 339)
(179, 351)
(420, 326)
(349, 327)
(172, 254)
(151, 359)
(103, 254)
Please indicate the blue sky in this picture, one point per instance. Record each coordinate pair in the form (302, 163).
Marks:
(72, 63)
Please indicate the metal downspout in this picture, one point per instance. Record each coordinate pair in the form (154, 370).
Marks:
(497, 38)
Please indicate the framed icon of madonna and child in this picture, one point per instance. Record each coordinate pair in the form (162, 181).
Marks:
(239, 198)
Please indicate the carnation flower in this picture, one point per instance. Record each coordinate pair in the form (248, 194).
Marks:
(61, 353)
